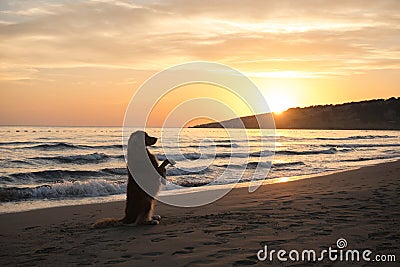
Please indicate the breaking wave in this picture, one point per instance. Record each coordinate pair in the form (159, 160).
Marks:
(76, 159)
(90, 188)
(357, 137)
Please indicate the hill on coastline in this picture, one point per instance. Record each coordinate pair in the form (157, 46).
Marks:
(377, 114)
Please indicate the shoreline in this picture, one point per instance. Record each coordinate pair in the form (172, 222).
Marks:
(32, 204)
(360, 205)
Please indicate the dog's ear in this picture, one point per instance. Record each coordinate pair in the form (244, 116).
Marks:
(137, 139)
(136, 150)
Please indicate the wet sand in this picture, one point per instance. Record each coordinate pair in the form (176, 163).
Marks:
(362, 206)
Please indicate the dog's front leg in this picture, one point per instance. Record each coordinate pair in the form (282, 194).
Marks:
(152, 222)
(156, 217)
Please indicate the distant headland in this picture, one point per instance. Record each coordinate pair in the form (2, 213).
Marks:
(377, 114)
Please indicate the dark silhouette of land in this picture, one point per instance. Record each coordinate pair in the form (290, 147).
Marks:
(377, 114)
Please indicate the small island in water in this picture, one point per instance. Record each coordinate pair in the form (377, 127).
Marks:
(377, 114)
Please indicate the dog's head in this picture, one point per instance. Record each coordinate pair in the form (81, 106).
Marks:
(142, 138)
(149, 140)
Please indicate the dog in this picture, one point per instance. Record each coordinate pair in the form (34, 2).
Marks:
(144, 182)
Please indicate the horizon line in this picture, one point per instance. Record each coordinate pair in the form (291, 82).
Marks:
(270, 112)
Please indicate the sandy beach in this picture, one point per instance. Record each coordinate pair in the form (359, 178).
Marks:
(361, 206)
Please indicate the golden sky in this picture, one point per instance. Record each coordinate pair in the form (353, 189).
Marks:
(80, 62)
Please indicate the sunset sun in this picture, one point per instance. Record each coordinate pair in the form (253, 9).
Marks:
(279, 100)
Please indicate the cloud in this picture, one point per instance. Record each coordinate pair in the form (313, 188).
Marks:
(318, 38)
(29, 12)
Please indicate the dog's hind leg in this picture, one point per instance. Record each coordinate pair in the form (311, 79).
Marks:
(144, 219)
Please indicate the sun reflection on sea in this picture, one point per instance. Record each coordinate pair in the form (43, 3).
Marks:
(282, 180)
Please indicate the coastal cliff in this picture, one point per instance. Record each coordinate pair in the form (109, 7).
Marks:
(378, 114)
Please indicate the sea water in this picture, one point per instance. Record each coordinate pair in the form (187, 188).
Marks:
(55, 166)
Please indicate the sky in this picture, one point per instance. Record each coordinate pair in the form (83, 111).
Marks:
(79, 62)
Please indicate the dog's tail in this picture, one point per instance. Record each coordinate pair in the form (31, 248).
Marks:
(106, 222)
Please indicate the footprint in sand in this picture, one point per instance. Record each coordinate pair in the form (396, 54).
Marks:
(185, 250)
(126, 256)
(171, 235)
(155, 253)
(159, 239)
(32, 227)
(211, 243)
(115, 261)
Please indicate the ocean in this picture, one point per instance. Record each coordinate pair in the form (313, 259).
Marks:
(56, 166)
